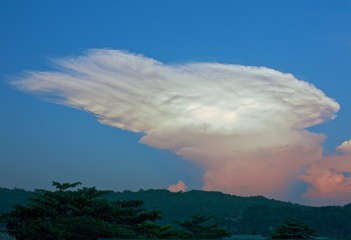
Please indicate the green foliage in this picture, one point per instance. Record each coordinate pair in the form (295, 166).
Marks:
(239, 215)
(65, 186)
(151, 230)
(195, 228)
(292, 229)
(81, 214)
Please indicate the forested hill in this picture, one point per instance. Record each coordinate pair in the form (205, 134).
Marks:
(9, 197)
(181, 205)
(240, 215)
(244, 215)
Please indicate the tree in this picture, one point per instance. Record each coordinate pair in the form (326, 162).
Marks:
(292, 229)
(80, 214)
(195, 228)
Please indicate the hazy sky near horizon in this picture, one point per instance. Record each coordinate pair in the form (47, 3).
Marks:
(244, 97)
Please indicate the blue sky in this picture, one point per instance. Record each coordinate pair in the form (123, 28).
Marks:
(41, 141)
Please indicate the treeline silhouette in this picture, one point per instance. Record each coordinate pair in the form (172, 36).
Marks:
(83, 214)
(237, 215)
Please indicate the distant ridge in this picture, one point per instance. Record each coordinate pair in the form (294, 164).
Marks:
(10, 197)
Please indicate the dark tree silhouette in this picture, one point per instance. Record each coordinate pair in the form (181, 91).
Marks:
(292, 229)
(196, 228)
(80, 214)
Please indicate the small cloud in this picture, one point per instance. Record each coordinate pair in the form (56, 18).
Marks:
(345, 147)
(179, 187)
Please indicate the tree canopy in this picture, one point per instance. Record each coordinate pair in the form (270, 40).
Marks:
(196, 227)
(84, 214)
(80, 214)
(293, 229)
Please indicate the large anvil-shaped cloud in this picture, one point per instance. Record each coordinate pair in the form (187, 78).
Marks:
(244, 125)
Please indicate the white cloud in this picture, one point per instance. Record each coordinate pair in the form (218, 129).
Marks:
(179, 187)
(345, 147)
(245, 125)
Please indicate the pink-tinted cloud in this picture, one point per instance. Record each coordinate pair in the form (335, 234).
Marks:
(246, 126)
(179, 187)
(330, 178)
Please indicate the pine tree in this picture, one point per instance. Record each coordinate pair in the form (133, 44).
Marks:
(292, 229)
(196, 228)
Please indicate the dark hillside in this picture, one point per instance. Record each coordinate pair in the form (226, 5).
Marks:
(181, 205)
(243, 214)
(9, 197)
